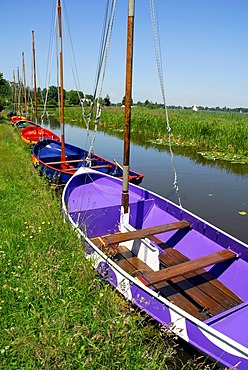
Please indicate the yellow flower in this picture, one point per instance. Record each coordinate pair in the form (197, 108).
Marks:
(43, 222)
(31, 236)
(242, 213)
(23, 234)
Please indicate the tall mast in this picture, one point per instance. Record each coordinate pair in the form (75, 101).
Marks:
(19, 93)
(14, 93)
(35, 95)
(128, 101)
(24, 87)
(61, 97)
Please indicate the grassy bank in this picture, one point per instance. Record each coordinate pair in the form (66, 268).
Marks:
(216, 135)
(56, 313)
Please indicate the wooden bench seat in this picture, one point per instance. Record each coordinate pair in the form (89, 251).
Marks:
(189, 266)
(138, 234)
(200, 279)
(194, 281)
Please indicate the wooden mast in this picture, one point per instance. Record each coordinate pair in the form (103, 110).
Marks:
(61, 89)
(24, 88)
(128, 102)
(35, 95)
(14, 93)
(18, 93)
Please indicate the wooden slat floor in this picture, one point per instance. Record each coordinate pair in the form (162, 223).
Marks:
(195, 291)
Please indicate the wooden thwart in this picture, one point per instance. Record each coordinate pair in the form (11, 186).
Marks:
(101, 166)
(189, 266)
(139, 234)
(70, 161)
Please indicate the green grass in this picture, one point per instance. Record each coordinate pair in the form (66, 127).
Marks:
(56, 312)
(210, 133)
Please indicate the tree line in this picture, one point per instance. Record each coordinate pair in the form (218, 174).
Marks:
(72, 98)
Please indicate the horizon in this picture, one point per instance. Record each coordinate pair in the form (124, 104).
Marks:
(203, 48)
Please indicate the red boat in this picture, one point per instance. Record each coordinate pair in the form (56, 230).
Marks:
(32, 134)
(15, 119)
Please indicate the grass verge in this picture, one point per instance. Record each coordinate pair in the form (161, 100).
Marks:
(56, 313)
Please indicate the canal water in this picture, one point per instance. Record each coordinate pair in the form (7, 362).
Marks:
(215, 191)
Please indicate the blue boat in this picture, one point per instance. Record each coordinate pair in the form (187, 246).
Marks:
(47, 153)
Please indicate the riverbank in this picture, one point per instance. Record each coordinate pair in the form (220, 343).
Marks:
(55, 311)
(217, 136)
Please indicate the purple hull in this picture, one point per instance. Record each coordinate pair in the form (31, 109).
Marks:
(92, 201)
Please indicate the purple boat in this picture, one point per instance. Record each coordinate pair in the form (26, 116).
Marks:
(181, 270)
(184, 272)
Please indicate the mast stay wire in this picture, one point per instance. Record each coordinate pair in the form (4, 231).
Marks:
(157, 49)
(102, 63)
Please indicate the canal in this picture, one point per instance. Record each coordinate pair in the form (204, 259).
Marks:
(214, 191)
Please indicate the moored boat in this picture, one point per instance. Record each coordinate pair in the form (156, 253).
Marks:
(184, 272)
(46, 155)
(32, 134)
(60, 160)
(15, 119)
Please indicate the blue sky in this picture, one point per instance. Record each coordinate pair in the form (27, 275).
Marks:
(204, 45)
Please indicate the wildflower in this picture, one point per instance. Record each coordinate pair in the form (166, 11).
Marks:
(31, 236)
(23, 235)
(43, 222)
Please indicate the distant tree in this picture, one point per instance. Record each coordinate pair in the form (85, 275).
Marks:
(53, 92)
(123, 102)
(73, 97)
(5, 90)
(52, 103)
(89, 96)
(107, 101)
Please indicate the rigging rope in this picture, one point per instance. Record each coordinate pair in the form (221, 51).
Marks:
(102, 66)
(157, 48)
(49, 62)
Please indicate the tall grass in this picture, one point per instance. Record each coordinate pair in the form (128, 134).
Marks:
(56, 312)
(226, 132)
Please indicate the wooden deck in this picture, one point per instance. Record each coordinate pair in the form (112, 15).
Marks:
(180, 280)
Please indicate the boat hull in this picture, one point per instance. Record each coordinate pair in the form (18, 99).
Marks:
(23, 123)
(32, 134)
(47, 153)
(15, 119)
(92, 203)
